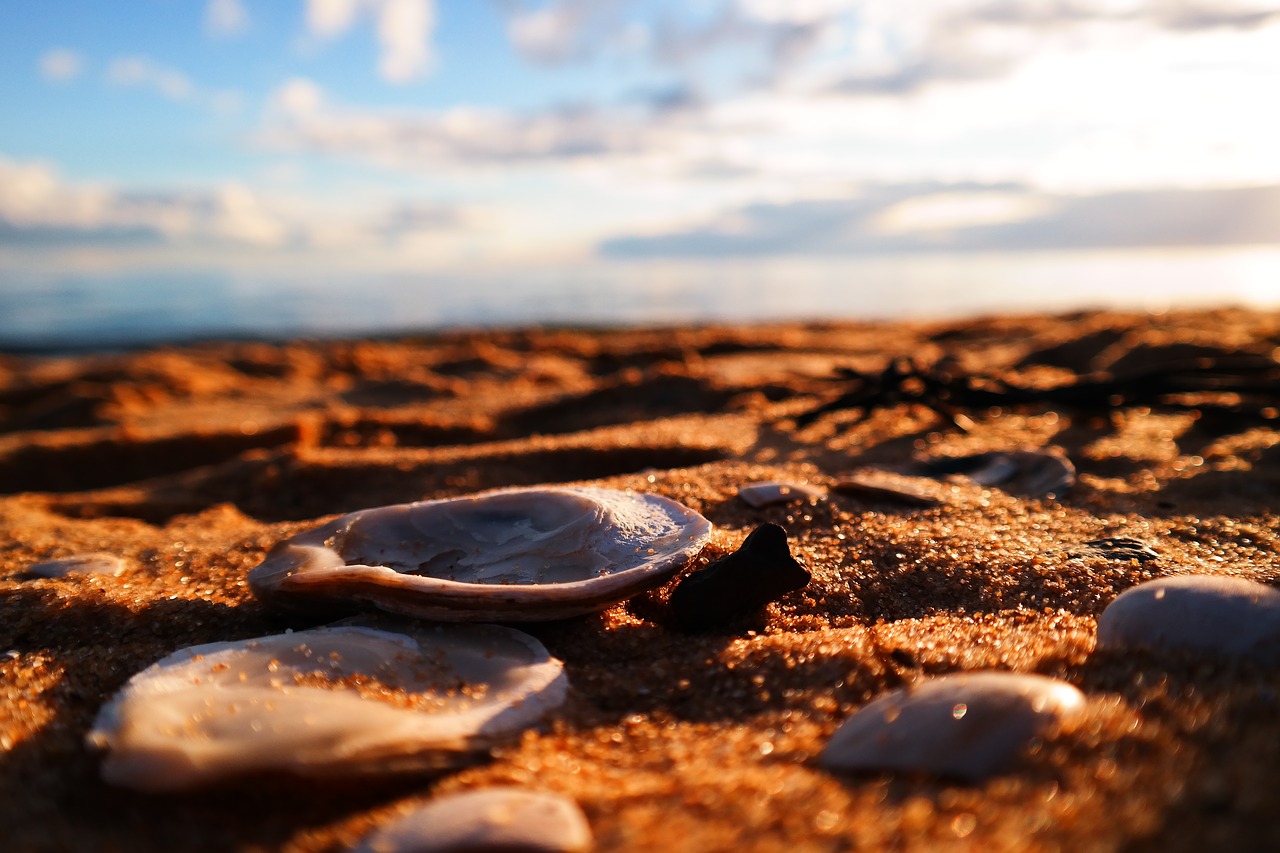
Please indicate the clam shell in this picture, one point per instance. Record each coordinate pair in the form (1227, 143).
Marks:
(489, 819)
(965, 726)
(337, 700)
(773, 492)
(1033, 473)
(1204, 614)
(876, 485)
(108, 565)
(506, 555)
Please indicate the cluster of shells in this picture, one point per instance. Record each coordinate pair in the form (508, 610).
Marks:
(367, 696)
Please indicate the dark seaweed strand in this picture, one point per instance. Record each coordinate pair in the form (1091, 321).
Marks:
(1254, 380)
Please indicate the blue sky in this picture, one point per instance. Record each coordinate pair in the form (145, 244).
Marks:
(280, 138)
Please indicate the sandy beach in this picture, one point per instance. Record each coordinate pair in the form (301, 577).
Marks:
(188, 463)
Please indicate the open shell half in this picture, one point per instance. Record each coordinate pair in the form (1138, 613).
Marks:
(507, 555)
(343, 700)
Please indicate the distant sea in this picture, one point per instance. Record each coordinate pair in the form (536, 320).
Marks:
(101, 309)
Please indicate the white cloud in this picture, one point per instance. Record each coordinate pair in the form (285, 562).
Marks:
(936, 217)
(404, 29)
(60, 64)
(41, 211)
(144, 72)
(225, 17)
(38, 206)
(559, 31)
(297, 98)
(1130, 108)
(331, 18)
(947, 211)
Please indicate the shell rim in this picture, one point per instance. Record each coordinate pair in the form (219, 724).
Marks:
(300, 579)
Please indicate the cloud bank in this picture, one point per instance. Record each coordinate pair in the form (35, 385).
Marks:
(973, 218)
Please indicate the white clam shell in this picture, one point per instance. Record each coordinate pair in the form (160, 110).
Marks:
(108, 565)
(288, 703)
(506, 555)
(510, 819)
(1207, 614)
(772, 492)
(968, 726)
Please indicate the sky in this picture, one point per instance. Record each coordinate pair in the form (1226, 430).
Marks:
(293, 137)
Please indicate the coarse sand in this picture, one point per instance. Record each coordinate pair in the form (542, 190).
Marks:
(188, 463)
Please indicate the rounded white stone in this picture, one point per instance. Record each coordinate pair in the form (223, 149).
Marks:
(1205, 614)
(507, 819)
(967, 726)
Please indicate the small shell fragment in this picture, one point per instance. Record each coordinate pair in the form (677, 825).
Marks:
(967, 726)
(875, 484)
(508, 819)
(1033, 473)
(506, 555)
(1205, 614)
(106, 565)
(328, 701)
(1120, 548)
(772, 492)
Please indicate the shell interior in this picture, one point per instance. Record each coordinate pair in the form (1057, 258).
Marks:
(512, 554)
(335, 700)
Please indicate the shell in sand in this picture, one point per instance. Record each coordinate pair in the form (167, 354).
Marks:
(341, 700)
(486, 820)
(1201, 614)
(964, 726)
(506, 555)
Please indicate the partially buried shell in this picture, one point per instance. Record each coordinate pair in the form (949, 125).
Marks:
(483, 821)
(966, 726)
(506, 555)
(342, 700)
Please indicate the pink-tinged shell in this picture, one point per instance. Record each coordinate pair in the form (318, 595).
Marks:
(964, 726)
(1204, 614)
(507, 555)
(102, 565)
(488, 819)
(878, 485)
(772, 492)
(290, 703)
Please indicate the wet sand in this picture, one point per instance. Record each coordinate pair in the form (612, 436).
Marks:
(189, 463)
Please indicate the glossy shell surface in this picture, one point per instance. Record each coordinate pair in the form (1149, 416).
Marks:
(507, 555)
(1202, 614)
(341, 700)
(489, 819)
(966, 726)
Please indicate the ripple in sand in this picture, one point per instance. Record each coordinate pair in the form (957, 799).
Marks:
(509, 819)
(1206, 614)
(343, 700)
(965, 726)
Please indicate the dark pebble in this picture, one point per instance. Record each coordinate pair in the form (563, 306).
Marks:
(762, 570)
